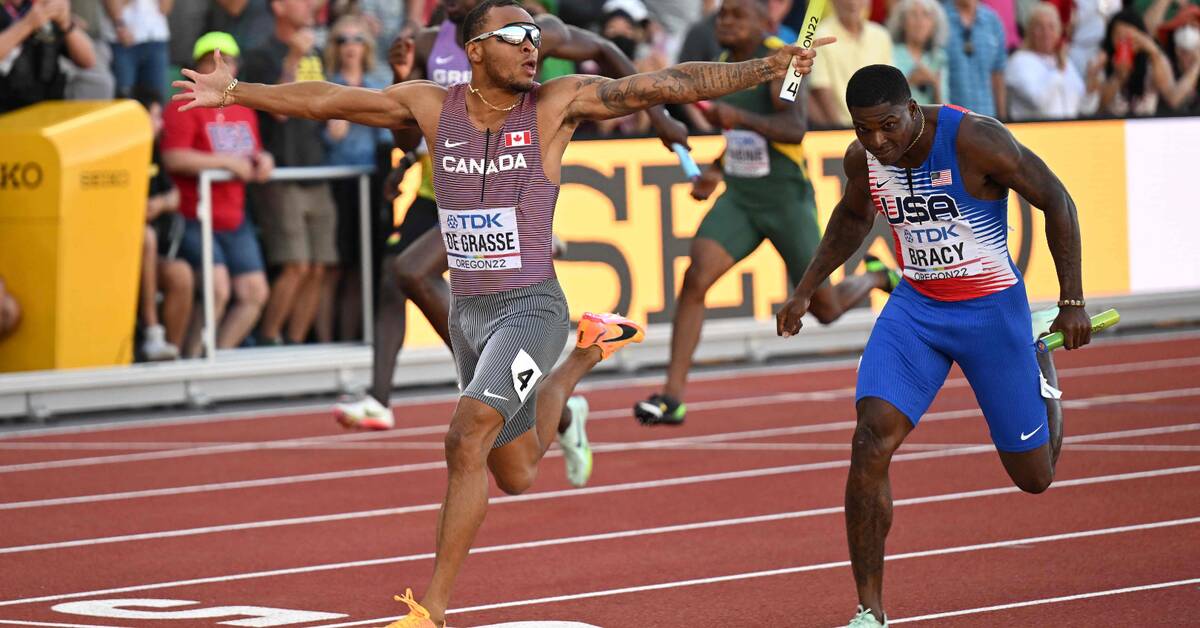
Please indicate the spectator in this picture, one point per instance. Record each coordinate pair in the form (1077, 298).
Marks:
(33, 36)
(299, 219)
(350, 57)
(161, 267)
(96, 82)
(1088, 24)
(1183, 46)
(629, 35)
(227, 139)
(10, 312)
(249, 21)
(384, 18)
(859, 43)
(700, 43)
(139, 43)
(975, 52)
(674, 16)
(919, 30)
(1042, 84)
(1137, 74)
(186, 22)
(1006, 10)
(1156, 12)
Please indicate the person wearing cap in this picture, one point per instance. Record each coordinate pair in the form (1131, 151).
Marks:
(220, 139)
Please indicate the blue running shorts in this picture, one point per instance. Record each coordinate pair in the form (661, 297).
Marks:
(916, 338)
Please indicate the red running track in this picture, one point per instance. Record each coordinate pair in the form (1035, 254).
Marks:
(732, 520)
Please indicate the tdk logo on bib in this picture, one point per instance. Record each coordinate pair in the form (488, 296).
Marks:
(474, 221)
(918, 209)
(929, 236)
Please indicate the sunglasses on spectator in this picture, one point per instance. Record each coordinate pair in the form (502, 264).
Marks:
(968, 45)
(342, 40)
(514, 34)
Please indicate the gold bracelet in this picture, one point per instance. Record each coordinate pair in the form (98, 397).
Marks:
(1071, 303)
(227, 93)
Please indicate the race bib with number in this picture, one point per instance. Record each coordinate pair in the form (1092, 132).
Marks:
(942, 251)
(746, 154)
(481, 239)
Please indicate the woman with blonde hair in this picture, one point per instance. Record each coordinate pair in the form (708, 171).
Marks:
(919, 30)
(349, 60)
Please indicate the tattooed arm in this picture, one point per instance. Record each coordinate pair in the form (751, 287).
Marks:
(576, 44)
(848, 226)
(597, 98)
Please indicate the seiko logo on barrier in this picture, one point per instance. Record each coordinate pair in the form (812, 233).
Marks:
(20, 176)
(96, 179)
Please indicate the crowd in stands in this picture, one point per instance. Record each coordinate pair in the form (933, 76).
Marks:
(287, 254)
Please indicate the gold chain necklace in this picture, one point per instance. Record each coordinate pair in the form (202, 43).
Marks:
(915, 139)
(494, 107)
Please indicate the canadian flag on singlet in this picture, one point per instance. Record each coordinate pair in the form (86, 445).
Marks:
(518, 138)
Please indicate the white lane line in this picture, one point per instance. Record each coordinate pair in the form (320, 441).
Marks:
(22, 622)
(1155, 395)
(1049, 600)
(375, 471)
(847, 392)
(961, 549)
(314, 446)
(222, 449)
(716, 404)
(322, 408)
(591, 490)
(911, 501)
(909, 447)
(1162, 448)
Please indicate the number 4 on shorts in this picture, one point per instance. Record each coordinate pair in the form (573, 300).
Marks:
(525, 374)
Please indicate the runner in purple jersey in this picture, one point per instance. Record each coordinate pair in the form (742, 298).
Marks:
(499, 142)
(415, 261)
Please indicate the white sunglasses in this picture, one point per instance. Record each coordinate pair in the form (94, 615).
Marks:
(514, 34)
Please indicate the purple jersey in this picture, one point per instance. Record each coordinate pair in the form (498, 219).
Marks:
(495, 204)
(447, 63)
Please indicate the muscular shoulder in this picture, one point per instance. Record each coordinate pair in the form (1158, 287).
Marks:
(559, 92)
(854, 163)
(422, 97)
(986, 145)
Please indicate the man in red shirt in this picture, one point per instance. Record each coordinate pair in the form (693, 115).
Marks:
(228, 139)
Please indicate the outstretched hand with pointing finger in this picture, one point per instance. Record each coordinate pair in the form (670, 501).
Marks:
(782, 57)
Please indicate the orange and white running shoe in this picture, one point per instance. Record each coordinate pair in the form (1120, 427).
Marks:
(608, 331)
(417, 616)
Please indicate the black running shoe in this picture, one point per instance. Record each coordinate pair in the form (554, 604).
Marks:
(660, 410)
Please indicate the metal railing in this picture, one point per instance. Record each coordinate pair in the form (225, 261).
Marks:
(322, 173)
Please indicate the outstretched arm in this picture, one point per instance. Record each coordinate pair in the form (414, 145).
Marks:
(598, 98)
(1008, 163)
(848, 227)
(317, 100)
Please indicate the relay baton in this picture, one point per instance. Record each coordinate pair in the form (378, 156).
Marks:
(808, 32)
(1101, 321)
(686, 162)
